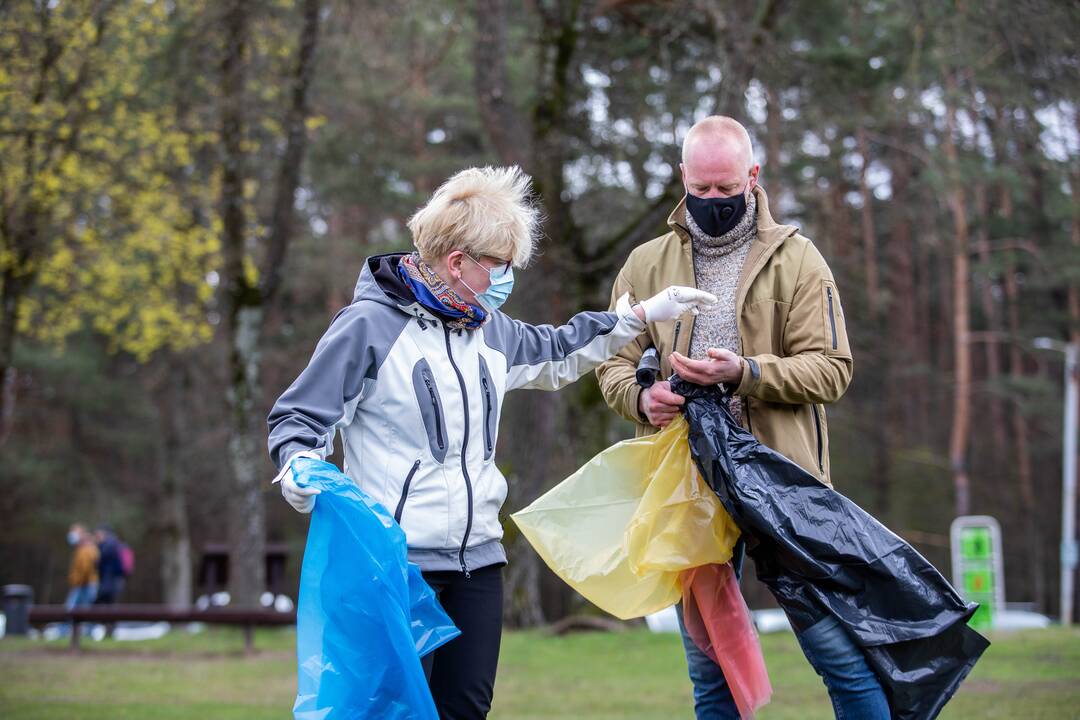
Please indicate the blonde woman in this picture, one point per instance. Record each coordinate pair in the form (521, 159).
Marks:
(413, 374)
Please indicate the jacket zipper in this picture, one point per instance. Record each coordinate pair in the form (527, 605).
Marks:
(693, 275)
(832, 318)
(438, 414)
(405, 492)
(820, 441)
(487, 415)
(464, 447)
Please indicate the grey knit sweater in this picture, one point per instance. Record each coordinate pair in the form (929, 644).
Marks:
(718, 262)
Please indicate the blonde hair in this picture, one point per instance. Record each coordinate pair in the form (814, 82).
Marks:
(481, 211)
(721, 126)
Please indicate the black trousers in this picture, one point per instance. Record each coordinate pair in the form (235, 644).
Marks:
(461, 673)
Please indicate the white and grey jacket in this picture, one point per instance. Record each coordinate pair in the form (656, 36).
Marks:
(418, 405)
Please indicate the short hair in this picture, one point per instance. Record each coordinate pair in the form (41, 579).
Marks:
(481, 211)
(721, 125)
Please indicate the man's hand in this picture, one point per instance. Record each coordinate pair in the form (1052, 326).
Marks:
(723, 366)
(659, 404)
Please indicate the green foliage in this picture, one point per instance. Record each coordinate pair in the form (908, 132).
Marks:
(110, 179)
(91, 154)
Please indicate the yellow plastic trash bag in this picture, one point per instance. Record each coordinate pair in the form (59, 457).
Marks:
(622, 528)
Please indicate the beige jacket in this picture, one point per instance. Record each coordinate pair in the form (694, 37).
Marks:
(83, 567)
(791, 329)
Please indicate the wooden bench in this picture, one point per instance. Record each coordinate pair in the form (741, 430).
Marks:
(247, 618)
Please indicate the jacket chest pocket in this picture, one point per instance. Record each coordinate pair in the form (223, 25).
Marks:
(431, 409)
(490, 418)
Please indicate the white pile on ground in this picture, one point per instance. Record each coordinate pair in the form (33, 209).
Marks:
(140, 630)
(1020, 620)
(766, 621)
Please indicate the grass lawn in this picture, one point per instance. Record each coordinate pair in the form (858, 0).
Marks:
(634, 674)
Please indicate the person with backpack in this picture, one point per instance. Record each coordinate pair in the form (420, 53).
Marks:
(111, 571)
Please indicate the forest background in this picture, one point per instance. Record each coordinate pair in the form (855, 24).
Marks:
(188, 190)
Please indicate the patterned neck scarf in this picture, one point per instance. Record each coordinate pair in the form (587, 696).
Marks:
(433, 293)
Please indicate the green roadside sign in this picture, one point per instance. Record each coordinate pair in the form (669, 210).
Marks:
(977, 565)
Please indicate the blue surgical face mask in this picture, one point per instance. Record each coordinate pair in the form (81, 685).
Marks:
(73, 538)
(502, 282)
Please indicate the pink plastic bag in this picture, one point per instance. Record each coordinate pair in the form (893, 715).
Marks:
(719, 623)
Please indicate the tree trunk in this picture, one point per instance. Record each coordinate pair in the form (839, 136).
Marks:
(991, 348)
(772, 135)
(1019, 423)
(247, 521)
(743, 36)
(245, 517)
(506, 129)
(926, 328)
(1074, 288)
(247, 302)
(870, 270)
(176, 561)
(961, 325)
(10, 297)
(840, 223)
(903, 388)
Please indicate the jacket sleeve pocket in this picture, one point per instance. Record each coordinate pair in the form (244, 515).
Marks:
(834, 328)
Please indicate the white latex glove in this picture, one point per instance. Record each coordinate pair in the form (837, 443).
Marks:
(675, 301)
(301, 498)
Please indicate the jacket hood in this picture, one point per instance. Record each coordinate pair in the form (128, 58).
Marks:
(380, 282)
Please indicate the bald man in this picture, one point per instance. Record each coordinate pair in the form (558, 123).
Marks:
(777, 337)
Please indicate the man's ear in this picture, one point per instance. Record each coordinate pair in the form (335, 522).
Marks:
(682, 174)
(754, 171)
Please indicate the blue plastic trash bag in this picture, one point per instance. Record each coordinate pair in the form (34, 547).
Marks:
(365, 615)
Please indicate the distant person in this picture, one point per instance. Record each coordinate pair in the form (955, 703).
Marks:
(413, 374)
(82, 573)
(111, 570)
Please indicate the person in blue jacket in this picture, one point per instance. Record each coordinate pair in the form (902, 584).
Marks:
(110, 566)
(412, 374)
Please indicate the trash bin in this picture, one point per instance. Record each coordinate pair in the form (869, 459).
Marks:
(17, 601)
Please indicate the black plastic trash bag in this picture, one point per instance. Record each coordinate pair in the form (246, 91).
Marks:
(821, 554)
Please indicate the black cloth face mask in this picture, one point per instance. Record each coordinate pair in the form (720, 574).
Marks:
(716, 216)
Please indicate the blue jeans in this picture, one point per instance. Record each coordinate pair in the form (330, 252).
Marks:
(853, 688)
(80, 596)
(712, 697)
